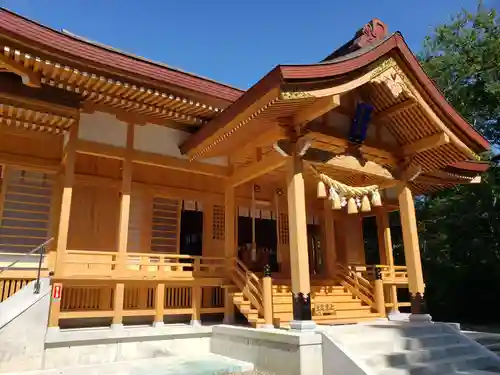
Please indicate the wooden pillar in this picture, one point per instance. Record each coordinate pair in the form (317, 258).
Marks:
(126, 190)
(297, 225)
(160, 305)
(68, 164)
(196, 303)
(229, 223)
(55, 213)
(329, 236)
(118, 305)
(412, 250)
(69, 159)
(385, 250)
(230, 248)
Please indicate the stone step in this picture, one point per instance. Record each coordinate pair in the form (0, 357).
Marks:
(444, 366)
(390, 344)
(206, 364)
(410, 357)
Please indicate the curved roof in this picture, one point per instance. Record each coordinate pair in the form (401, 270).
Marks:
(78, 49)
(338, 67)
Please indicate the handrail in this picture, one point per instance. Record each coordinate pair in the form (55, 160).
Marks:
(22, 256)
(249, 284)
(40, 248)
(357, 285)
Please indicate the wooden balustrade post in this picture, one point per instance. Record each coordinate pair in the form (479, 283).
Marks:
(379, 293)
(299, 256)
(385, 250)
(160, 305)
(267, 297)
(412, 255)
(196, 304)
(117, 322)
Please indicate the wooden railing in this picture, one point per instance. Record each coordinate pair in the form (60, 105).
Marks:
(393, 274)
(158, 266)
(91, 301)
(249, 284)
(352, 279)
(10, 286)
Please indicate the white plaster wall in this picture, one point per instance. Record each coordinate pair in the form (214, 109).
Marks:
(103, 128)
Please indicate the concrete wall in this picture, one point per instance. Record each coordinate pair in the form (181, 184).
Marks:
(276, 352)
(22, 339)
(90, 347)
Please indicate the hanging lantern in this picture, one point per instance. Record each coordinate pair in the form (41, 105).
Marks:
(351, 206)
(376, 200)
(365, 204)
(321, 190)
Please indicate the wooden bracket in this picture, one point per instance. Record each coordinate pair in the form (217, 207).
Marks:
(29, 77)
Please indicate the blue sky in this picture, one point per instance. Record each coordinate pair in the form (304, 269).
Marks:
(238, 41)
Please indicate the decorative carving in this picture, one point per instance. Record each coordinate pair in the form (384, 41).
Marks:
(294, 95)
(383, 67)
(324, 309)
(373, 31)
(302, 306)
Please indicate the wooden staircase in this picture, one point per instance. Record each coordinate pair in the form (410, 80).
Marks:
(347, 299)
(330, 304)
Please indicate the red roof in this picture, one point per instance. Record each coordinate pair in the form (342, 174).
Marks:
(54, 42)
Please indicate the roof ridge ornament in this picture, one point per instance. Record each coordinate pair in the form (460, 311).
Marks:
(372, 32)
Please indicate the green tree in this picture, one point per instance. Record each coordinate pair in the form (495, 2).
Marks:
(463, 57)
(460, 227)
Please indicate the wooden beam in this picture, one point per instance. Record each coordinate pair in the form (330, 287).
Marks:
(269, 162)
(230, 245)
(315, 110)
(394, 110)
(425, 144)
(142, 157)
(349, 164)
(29, 77)
(30, 162)
(334, 138)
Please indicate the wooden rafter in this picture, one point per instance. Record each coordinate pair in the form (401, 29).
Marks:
(28, 77)
(425, 144)
(394, 110)
(317, 109)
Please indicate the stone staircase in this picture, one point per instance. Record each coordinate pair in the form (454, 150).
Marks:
(389, 348)
(489, 340)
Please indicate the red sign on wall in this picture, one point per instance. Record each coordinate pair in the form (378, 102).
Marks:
(56, 292)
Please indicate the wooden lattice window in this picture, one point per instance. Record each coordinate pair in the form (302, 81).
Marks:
(283, 229)
(25, 216)
(165, 227)
(218, 223)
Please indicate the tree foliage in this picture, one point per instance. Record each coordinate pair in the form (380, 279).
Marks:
(459, 227)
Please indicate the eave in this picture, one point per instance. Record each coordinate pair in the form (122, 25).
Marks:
(290, 75)
(74, 49)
